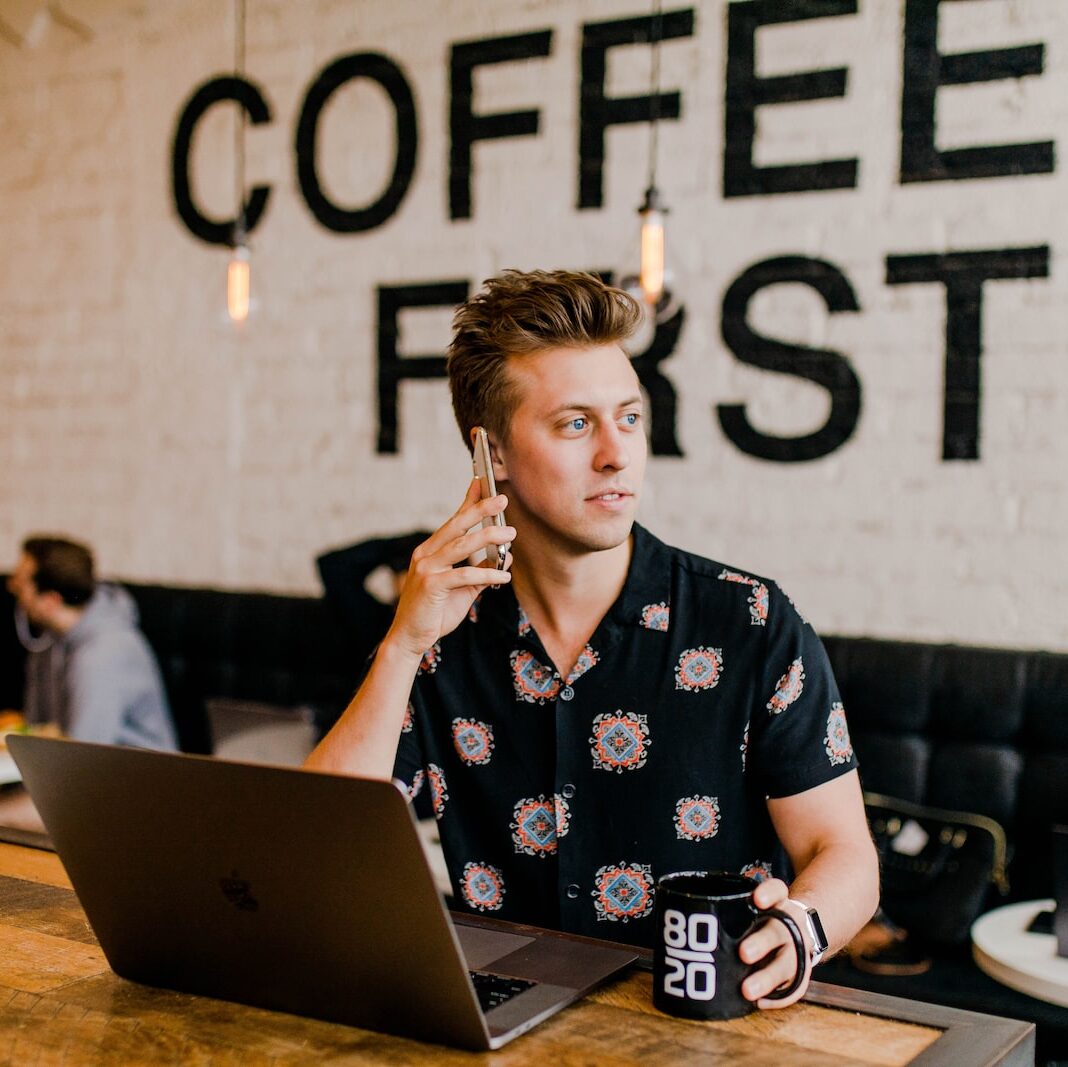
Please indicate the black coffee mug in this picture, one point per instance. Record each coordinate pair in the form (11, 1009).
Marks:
(700, 921)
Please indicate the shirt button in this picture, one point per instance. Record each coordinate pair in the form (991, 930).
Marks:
(568, 791)
(573, 891)
(567, 693)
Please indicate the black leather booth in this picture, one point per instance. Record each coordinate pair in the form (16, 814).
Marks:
(259, 647)
(971, 729)
(281, 650)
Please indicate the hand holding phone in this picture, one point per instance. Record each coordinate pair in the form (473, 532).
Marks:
(495, 554)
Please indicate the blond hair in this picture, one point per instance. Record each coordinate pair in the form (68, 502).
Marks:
(520, 312)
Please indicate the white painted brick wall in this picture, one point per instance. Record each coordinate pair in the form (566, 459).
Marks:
(132, 414)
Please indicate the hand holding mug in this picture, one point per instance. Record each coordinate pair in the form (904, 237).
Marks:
(701, 921)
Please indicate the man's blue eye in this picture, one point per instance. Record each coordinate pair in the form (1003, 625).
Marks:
(631, 419)
(578, 423)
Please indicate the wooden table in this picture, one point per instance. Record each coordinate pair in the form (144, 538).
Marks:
(60, 1004)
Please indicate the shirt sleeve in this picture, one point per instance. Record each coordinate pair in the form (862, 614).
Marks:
(799, 738)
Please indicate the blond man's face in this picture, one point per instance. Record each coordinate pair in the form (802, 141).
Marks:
(573, 460)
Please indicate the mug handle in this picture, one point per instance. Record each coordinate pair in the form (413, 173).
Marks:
(799, 947)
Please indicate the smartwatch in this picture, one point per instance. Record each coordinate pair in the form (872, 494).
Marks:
(815, 930)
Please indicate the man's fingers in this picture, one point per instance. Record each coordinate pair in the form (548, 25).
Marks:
(758, 944)
(470, 546)
(444, 533)
(770, 892)
(771, 944)
(458, 577)
(470, 515)
(778, 971)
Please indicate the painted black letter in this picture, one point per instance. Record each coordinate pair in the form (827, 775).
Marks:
(963, 274)
(826, 368)
(245, 95)
(746, 91)
(394, 368)
(465, 126)
(925, 71)
(377, 68)
(597, 112)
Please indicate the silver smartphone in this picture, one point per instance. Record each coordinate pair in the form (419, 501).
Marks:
(495, 554)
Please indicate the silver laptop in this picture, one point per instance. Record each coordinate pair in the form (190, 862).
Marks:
(292, 890)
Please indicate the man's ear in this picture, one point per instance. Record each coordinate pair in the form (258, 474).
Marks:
(500, 466)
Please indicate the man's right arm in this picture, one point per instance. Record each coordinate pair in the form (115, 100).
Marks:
(438, 593)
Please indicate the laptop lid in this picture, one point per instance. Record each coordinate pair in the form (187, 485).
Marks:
(287, 889)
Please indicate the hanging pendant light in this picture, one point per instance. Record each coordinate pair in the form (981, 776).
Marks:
(239, 281)
(651, 275)
(652, 284)
(239, 269)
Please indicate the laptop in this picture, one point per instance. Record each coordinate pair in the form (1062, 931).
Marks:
(291, 890)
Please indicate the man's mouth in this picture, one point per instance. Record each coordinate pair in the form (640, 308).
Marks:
(610, 497)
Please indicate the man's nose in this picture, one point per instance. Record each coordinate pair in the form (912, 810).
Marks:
(612, 451)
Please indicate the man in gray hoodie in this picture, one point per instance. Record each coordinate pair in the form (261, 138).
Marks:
(91, 672)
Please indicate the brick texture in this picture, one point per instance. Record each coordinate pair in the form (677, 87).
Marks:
(133, 414)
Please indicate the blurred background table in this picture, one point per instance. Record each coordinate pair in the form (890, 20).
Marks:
(1011, 954)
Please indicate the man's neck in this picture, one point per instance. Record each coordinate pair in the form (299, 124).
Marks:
(565, 595)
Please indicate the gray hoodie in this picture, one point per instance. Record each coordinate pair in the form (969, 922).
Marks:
(100, 681)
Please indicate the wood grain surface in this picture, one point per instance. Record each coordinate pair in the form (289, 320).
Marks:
(61, 1004)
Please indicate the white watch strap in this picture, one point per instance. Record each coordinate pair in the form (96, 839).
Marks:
(814, 951)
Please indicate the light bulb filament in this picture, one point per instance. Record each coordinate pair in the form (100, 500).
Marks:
(239, 284)
(651, 276)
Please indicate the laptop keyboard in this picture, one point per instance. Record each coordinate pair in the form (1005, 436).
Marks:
(494, 989)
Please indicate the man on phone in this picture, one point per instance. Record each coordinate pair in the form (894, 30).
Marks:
(611, 709)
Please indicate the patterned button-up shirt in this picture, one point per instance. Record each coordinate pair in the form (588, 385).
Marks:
(561, 800)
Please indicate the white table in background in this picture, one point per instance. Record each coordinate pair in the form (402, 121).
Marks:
(1023, 961)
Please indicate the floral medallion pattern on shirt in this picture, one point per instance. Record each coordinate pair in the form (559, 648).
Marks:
(699, 668)
(758, 870)
(523, 624)
(482, 886)
(790, 601)
(431, 659)
(623, 893)
(758, 596)
(697, 818)
(418, 780)
(534, 826)
(586, 661)
(666, 710)
(563, 815)
(473, 740)
(473, 610)
(435, 777)
(409, 719)
(790, 687)
(534, 682)
(620, 741)
(656, 616)
(837, 743)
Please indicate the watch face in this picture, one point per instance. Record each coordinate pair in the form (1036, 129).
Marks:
(818, 935)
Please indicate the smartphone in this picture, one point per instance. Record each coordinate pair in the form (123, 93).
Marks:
(495, 554)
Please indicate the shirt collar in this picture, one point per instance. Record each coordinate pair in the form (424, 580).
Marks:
(648, 584)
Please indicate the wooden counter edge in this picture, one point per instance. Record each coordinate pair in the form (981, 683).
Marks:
(967, 1036)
